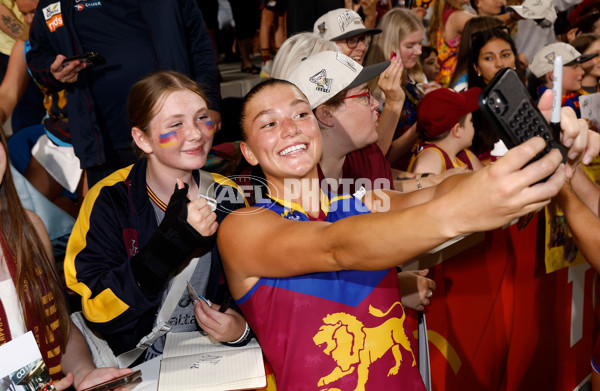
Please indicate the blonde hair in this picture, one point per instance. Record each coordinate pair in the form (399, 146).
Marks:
(396, 25)
(437, 19)
(295, 49)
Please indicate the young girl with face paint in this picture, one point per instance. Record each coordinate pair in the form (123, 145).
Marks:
(141, 225)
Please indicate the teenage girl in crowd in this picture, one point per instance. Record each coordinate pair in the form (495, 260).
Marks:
(491, 50)
(402, 36)
(444, 33)
(31, 294)
(460, 79)
(134, 232)
(333, 275)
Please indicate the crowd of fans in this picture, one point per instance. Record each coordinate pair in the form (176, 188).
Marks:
(363, 125)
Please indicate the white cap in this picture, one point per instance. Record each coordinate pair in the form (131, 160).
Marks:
(535, 9)
(321, 76)
(340, 24)
(543, 61)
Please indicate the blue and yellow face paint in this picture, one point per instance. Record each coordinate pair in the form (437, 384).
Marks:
(168, 139)
(209, 126)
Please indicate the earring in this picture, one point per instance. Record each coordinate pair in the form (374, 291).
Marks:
(478, 74)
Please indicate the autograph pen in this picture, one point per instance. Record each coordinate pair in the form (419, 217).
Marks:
(557, 99)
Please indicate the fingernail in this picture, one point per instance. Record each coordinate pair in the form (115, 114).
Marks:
(568, 142)
(587, 160)
(573, 155)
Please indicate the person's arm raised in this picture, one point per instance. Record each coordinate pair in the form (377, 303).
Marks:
(263, 244)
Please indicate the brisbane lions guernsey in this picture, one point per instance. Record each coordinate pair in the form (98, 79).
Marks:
(342, 330)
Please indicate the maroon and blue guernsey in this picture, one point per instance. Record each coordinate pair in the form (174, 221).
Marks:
(341, 330)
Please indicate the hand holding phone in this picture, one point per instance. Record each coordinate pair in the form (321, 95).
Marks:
(90, 59)
(507, 104)
(116, 382)
(194, 296)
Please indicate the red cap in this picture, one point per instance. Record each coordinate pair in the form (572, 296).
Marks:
(441, 109)
(586, 12)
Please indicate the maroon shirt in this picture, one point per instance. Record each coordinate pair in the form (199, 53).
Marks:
(366, 167)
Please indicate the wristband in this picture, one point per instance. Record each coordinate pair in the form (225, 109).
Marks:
(240, 339)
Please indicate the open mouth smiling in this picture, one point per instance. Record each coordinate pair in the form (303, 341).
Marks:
(293, 148)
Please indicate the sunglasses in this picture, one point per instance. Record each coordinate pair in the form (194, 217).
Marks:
(352, 42)
(477, 34)
(366, 94)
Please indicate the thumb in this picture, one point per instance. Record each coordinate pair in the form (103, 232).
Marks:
(423, 272)
(65, 382)
(545, 102)
(180, 184)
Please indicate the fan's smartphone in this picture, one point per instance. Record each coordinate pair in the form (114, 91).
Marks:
(90, 58)
(116, 383)
(507, 104)
(194, 296)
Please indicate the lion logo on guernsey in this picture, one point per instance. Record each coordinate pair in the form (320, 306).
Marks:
(355, 347)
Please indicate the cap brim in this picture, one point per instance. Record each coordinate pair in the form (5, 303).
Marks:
(472, 99)
(368, 73)
(356, 32)
(583, 58)
(519, 9)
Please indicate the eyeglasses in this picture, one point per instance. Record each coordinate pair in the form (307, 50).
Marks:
(366, 94)
(352, 42)
(503, 29)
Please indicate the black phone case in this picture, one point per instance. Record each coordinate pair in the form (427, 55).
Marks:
(509, 107)
(90, 58)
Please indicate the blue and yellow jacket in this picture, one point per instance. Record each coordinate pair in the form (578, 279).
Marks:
(116, 220)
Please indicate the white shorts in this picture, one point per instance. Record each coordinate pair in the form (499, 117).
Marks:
(60, 162)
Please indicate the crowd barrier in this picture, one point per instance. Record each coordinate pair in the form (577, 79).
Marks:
(498, 321)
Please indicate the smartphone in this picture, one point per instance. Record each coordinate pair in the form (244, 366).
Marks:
(116, 383)
(194, 296)
(90, 58)
(514, 115)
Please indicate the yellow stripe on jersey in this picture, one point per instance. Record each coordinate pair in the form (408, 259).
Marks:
(106, 305)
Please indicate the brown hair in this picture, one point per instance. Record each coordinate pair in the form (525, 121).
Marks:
(147, 96)
(438, 20)
(473, 25)
(36, 272)
(582, 42)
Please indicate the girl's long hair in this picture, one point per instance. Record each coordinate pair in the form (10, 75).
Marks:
(473, 25)
(485, 137)
(437, 19)
(36, 272)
